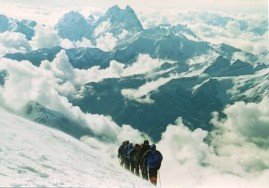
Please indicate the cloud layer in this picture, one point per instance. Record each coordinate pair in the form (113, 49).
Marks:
(50, 84)
(237, 154)
(12, 42)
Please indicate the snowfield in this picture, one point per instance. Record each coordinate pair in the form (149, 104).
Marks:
(34, 155)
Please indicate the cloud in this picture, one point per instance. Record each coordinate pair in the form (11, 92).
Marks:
(12, 42)
(235, 154)
(104, 39)
(67, 44)
(101, 29)
(106, 42)
(84, 43)
(53, 9)
(96, 74)
(234, 27)
(144, 64)
(123, 35)
(241, 56)
(250, 122)
(59, 67)
(142, 94)
(51, 84)
(111, 132)
(244, 31)
(253, 39)
(45, 37)
(231, 35)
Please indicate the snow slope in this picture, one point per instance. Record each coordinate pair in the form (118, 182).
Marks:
(35, 155)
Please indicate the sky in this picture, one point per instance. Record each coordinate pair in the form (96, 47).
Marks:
(48, 11)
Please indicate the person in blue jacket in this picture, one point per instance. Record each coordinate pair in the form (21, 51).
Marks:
(153, 159)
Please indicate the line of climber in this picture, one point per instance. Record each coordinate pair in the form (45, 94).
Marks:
(142, 158)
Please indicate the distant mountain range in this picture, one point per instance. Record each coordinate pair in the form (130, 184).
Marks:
(208, 77)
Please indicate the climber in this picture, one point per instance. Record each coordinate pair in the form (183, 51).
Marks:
(120, 152)
(145, 147)
(127, 158)
(153, 158)
(134, 159)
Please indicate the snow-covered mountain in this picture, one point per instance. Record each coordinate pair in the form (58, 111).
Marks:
(40, 114)
(159, 42)
(191, 96)
(117, 20)
(82, 58)
(25, 27)
(33, 155)
(74, 26)
(223, 67)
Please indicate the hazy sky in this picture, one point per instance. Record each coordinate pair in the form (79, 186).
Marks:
(49, 10)
(229, 5)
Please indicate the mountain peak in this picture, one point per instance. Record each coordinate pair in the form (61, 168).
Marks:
(129, 9)
(4, 21)
(71, 16)
(74, 26)
(114, 8)
(91, 19)
(121, 19)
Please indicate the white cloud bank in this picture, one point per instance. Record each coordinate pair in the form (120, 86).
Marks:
(142, 94)
(232, 35)
(143, 65)
(237, 156)
(53, 9)
(45, 37)
(49, 85)
(12, 42)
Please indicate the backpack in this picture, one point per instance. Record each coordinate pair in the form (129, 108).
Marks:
(154, 159)
(127, 151)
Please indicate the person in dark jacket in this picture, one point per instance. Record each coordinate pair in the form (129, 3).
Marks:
(134, 159)
(120, 152)
(153, 158)
(145, 147)
(127, 157)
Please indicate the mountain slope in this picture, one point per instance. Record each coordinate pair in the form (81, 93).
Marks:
(40, 114)
(36, 156)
